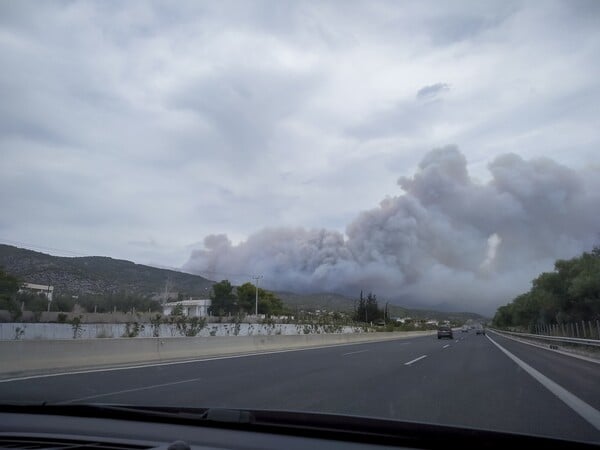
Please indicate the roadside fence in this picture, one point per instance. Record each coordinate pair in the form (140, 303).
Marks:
(584, 329)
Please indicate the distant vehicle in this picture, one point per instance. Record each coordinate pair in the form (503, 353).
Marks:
(445, 332)
(464, 329)
(480, 330)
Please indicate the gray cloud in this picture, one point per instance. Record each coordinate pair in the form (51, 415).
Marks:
(431, 91)
(405, 118)
(169, 122)
(446, 239)
(229, 103)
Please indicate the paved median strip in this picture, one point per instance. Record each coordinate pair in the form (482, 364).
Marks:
(415, 360)
(22, 359)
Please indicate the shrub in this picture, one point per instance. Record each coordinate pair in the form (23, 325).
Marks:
(133, 329)
(77, 326)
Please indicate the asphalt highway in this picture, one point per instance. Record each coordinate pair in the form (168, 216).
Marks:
(476, 381)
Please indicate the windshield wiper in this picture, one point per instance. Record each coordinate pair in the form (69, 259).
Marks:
(120, 411)
(216, 415)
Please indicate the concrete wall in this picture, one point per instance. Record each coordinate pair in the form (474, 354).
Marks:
(37, 331)
(43, 356)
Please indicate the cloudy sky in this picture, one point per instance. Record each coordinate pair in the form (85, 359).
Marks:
(412, 148)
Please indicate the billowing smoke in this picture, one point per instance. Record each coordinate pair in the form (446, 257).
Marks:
(446, 239)
(493, 242)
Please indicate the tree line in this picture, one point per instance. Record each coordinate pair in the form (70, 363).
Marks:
(226, 299)
(367, 309)
(103, 303)
(13, 301)
(569, 293)
(9, 287)
(229, 300)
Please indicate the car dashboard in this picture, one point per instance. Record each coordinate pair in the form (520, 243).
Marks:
(124, 428)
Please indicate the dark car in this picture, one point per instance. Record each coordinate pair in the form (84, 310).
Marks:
(445, 332)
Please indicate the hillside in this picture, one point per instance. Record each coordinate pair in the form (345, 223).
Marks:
(103, 275)
(326, 301)
(338, 302)
(96, 274)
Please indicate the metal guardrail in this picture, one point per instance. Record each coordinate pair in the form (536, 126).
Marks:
(568, 340)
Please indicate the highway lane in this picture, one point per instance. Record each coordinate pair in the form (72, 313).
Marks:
(578, 376)
(467, 381)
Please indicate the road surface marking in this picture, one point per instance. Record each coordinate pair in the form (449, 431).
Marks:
(354, 353)
(589, 413)
(446, 346)
(415, 360)
(154, 386)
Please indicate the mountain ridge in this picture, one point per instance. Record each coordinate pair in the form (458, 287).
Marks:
(96, 274)
(77, 275)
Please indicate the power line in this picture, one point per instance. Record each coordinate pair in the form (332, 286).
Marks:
(40, 247)
(229, 274)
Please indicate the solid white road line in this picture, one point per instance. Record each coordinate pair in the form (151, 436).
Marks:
(154, 386)
(446, 346)
(415, 360)
(588, 412)
(354, 353)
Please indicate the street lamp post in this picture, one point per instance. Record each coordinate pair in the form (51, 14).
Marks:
(48, 297)
(257, 277)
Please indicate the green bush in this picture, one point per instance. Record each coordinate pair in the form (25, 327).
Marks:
(133, 329)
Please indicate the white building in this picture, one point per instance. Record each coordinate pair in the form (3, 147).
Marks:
(404, 319)
(191, 307)
(38, 289)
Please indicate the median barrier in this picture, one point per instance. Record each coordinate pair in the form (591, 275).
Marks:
(47, 356)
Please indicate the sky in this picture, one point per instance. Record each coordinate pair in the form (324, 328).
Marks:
(429, 151)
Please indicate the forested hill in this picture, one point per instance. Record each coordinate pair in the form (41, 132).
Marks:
(96, 274)
(568, 294)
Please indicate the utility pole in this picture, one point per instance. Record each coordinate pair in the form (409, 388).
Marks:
(257, 277)
(48, 296)
(167, 289)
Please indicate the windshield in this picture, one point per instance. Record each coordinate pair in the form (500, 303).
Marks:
(384, 209)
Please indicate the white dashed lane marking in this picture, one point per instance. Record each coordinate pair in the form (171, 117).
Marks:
(415, 360)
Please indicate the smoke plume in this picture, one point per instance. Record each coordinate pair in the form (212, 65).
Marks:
(445, 239)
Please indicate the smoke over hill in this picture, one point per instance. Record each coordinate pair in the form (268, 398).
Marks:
(446, 238)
